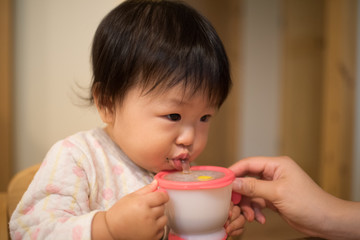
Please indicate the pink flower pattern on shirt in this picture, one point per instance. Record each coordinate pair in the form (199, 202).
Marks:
(77, 233)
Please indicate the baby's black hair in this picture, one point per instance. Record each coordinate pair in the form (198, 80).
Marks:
(154, 45)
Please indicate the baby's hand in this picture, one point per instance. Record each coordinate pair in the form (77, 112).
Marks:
(139, 215)
(235, 224)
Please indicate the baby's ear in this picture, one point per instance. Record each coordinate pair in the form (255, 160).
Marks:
(106, 112)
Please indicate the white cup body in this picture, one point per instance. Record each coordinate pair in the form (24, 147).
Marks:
(200, 211)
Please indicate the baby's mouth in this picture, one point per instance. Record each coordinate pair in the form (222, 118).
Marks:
(177, 163)
(180, 163)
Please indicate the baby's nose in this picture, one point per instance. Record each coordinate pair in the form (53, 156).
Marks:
(186, 136)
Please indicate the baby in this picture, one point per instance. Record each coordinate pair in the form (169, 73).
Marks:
(160, 72)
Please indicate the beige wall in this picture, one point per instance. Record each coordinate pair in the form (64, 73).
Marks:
(52, 47)
(261, 65)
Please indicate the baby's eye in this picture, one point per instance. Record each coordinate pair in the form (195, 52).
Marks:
(205, 118)
(174, 117)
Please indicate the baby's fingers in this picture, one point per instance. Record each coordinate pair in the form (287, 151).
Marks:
(236, 223)
(235, 212)
(247, 209)
(162, 221)
(158, 211)
(156, 199)
(160, 224)
(147, 189)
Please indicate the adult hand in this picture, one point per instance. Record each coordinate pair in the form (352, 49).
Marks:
(283, 186)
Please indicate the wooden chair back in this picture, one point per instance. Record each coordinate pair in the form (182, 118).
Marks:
(10, 199)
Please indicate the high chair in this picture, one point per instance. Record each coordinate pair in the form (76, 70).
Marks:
(9, 200)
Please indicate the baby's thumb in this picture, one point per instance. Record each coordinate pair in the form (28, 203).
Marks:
(148, 188)
(253, 187)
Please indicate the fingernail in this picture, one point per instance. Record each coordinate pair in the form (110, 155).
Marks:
(237, 183)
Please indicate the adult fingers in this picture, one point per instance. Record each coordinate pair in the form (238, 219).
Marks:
(253, 187)
(259, 216)
(255, 166)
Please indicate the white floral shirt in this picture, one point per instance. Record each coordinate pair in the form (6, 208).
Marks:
(80, 175)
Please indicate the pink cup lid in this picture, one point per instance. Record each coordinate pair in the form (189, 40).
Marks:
(227, 178)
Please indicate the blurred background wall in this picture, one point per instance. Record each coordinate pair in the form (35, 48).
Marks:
(51, 46)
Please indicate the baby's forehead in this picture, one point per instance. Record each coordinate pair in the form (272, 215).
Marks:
(180, 94)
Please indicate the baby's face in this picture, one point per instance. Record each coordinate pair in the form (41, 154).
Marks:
(158, 130)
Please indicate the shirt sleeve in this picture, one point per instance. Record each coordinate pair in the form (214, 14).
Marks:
(56, 204)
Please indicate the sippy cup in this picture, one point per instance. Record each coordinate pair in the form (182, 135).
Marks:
(199, 202)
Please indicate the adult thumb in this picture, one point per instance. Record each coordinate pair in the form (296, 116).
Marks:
(253, 187)
(148, 188)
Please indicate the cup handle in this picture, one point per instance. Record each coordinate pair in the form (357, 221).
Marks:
(235, 197)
